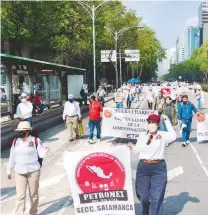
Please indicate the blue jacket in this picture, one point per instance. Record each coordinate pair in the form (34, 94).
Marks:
(185, 111)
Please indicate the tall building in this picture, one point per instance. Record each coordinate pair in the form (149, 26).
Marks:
(191, 41)
(203, 22)
(180, 52)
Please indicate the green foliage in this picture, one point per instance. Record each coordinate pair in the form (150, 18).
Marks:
(195, 66)
(63, 29)
(204, 87)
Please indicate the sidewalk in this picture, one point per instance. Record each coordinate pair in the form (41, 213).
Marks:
(40, 124)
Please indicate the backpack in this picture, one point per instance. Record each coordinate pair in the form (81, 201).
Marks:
(40, 160)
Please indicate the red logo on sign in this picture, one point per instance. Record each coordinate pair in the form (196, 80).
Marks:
(99, 172)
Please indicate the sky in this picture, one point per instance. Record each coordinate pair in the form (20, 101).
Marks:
(167, 18)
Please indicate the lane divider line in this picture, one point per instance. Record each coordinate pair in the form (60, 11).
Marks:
(199, 159)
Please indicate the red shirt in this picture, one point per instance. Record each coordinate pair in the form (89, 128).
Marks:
(37, 99)
(94, 110)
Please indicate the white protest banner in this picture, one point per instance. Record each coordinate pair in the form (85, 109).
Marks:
(100, 181)
(125, 123)
(202, 128)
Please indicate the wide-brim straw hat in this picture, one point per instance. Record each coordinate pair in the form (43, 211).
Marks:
(24, 126)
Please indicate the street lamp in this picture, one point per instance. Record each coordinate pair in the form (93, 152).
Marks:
(116, 35)
(91, 11)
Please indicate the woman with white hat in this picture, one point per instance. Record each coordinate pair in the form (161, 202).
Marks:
(25, 158)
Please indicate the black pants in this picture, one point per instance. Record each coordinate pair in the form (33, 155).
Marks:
(150, 105)
(128, 103)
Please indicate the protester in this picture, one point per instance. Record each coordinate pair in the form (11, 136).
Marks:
(159, 100)
(25, 157)
(174, 95)
(168, 109)
(84, 93)
(101, 95)
(199, 97)
(71, 116)
(24, 109)
(119, 98)
(151, 176)
(95, 108)
(185, 116)
(130, 99)
(150, 98)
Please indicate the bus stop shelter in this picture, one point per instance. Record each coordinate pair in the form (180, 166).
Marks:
(20, 74)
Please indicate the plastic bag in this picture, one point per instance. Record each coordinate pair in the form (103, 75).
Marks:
(80, 128)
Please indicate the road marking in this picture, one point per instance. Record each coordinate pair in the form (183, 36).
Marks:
(51, 181)
(171, 173)
(199, 159)
(175, 172)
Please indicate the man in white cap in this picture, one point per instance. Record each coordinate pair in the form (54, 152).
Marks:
(24, 109)
(71, 115)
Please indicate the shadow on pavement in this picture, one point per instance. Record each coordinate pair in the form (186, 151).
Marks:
(55, 205)
(175, 204)
(172, 204)
(7, 192)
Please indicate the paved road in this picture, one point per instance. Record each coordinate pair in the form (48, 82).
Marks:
(186, 191)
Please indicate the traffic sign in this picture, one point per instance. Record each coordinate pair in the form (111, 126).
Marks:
(108, 56)
(132, 55)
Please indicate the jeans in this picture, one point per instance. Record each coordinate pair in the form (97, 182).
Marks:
(151, 180)
(93, 124)
(199, 101)
(29, 120)
(119, 104)
(186, 131)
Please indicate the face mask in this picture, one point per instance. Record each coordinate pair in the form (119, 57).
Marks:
(23, 100)
(71, 100)
(184, 102)
(152, 128)
(21, 134)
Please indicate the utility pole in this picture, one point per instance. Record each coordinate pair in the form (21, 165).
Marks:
(120, 69)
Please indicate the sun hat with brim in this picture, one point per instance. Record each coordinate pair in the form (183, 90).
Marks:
(153, 117)
(23, 126)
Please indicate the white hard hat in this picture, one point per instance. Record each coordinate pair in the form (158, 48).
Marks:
(23, 126)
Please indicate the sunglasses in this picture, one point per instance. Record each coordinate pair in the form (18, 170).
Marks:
(150, 139)
(23, 97)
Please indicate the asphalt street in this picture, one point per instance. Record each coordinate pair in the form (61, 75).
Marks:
(187, 187)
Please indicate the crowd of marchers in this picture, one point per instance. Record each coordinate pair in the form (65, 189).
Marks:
(173, 106)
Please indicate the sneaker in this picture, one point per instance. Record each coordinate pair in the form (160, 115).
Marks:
(167, 145)
(188, 142)
(184, 144)
(70, 140)
(91, 141)
(98, 140)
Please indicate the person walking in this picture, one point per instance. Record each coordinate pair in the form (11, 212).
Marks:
(25, 109)
(150, 98)
(101, 95)
(130, 99)
(185, 116)
(168, 109)
(95, 108)
(25, 158)
(119, 98)
(199, 98)
(151, 176)
(71, 116)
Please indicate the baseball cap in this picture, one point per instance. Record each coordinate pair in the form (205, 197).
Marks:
(154, 117)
